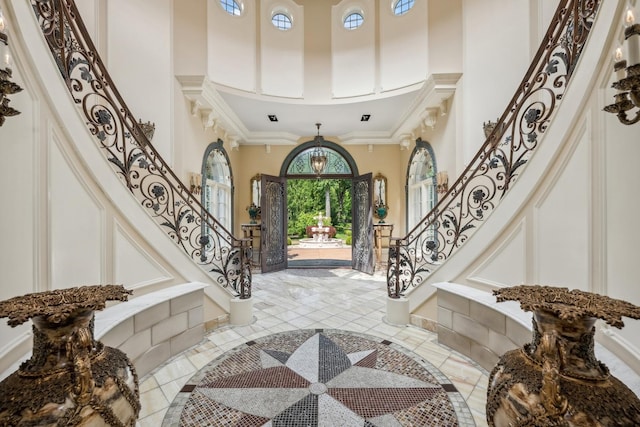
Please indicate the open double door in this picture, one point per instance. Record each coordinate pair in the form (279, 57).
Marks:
(273, 206)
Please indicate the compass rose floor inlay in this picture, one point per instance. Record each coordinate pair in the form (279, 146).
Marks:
(319, 377)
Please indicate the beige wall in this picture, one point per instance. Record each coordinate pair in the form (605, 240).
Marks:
(384, 159)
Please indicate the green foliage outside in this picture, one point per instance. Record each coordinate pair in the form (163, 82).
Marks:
(306, 198)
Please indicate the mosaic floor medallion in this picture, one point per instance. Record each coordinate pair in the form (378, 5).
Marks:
(319, 378)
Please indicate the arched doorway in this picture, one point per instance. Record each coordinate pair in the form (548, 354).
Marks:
(325, 197)
(339, 174)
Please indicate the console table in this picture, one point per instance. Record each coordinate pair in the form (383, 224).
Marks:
(381, 231)
(252, 231)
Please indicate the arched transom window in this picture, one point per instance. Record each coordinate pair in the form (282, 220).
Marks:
(336, 163)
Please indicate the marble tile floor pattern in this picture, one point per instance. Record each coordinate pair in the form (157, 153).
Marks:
(329, 305)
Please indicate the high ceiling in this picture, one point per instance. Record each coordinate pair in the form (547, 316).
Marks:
(392, 118)
(319, 72)
(338, 119)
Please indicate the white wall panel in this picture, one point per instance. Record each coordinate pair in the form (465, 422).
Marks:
(94, 18)
(282, 52)
(190, 38)
(353, 52)
(562, 224)
(76, 226)
(89, 12)
(622, 151)
(133, 265)
(445, 36)
(139, 61)
(506, 265)
(403, 46)
(19, 175)
(232, 46)
(496, 57)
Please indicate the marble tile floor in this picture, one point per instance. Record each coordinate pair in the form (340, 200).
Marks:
(292, 300)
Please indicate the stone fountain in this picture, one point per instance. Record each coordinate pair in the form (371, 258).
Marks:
(320, 236)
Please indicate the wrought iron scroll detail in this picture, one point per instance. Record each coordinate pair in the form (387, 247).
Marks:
(362, 251)
(135, 161)
(503, 156)
(275, 239)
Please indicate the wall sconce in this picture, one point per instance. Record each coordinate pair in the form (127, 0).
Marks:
(148, 129)
(442, 182)
(627, 74)
(7, 87)
(195, 183)
(488, 127)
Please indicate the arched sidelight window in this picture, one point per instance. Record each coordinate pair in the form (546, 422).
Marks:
(421, 183)
(217, 184)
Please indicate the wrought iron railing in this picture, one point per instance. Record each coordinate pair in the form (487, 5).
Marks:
(502, 157)
(136, 162)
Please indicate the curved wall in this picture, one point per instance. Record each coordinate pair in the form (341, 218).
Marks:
(571, 217)
(567, 220)
(70, 220)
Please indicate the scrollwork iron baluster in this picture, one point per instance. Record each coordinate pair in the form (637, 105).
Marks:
(504, 154)
(132, 156)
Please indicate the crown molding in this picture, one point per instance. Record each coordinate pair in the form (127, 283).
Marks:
(435, 94)
(214, 112)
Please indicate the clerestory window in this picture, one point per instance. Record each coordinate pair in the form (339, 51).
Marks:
(353, 21)
(281, 21)
(231, 7)
(402, 6)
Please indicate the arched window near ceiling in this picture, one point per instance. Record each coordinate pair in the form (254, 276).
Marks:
(401, 7)
(217, 184)
(232, 7)
(421, 183)
(340, 164)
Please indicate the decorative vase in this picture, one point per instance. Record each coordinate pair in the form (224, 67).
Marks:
(381, 211)
(253, 213)
(556, 379)
(70, 379)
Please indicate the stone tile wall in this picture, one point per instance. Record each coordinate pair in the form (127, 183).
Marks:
(472, 323)
(155, 327)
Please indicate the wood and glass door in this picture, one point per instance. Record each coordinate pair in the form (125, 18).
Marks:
(273, 207)
(362, 224)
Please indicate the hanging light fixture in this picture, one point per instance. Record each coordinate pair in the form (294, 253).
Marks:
(318, 159)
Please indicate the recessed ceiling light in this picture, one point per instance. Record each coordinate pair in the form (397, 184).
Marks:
(273, 117)
(365, 117)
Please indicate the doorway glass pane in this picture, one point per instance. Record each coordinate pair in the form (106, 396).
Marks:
(336, 164)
